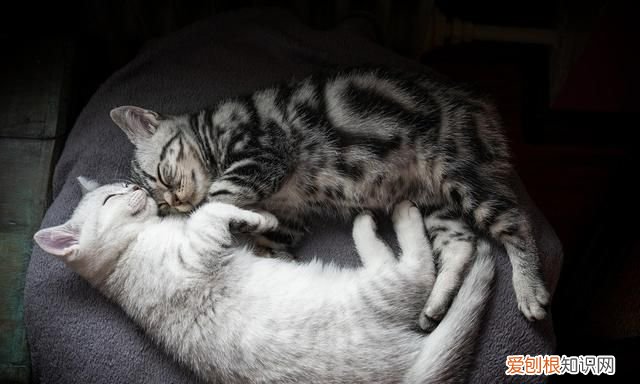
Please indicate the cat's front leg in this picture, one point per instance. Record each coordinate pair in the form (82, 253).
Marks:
(290, 229)
(227, 192)
(249, 180)
(453, 244)
(528, 281)
(214, 224)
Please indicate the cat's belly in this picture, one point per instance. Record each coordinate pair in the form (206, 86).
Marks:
(315, 318)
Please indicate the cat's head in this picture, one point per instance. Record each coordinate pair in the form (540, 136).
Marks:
(103, 225)
(167, 160)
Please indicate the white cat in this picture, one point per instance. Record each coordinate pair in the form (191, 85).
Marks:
(230, 315)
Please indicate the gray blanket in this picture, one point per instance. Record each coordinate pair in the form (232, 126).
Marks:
(77, 336)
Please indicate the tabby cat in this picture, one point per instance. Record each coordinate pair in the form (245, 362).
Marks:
(231, 316)
(363, 138)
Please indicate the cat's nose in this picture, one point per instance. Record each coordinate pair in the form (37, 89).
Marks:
(171, 199)
(168, 197)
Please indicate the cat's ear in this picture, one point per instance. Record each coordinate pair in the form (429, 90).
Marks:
(139, 124)
(87, 185)
(58, 241)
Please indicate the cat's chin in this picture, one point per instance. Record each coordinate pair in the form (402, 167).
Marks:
(167, 210)
(184, 208)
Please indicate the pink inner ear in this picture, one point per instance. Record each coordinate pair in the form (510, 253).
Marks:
(141, 121)
(139, 124)
(57, 241)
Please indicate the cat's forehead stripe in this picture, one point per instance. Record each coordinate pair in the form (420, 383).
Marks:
(140, 174)
(168, 144)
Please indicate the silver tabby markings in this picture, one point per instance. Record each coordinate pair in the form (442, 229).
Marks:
(343, 142)
(233, 317)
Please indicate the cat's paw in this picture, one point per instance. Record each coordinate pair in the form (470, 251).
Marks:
(532, 297)
(437, 305)
(434, 312)
(365, 222)
(267, 222)
(406, 214)
(426, 322)
(254, 223)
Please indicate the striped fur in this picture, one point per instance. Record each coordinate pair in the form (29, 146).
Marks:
(337, 144)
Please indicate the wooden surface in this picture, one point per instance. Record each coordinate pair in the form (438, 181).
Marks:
(33, 105)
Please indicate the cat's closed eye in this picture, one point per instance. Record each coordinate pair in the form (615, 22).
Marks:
(108, 197)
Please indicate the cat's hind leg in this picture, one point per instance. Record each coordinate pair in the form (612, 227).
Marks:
(512, 229)
(498, 213)
(453, 245)
(416, 250)
(409, 228)
(373, 251)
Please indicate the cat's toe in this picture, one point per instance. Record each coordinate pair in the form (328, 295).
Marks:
(532, 296)
(403, 211)
(531, 307)
(532, 311)
(427, 323)
(365, 220)
(268, 222)
(254, 223)
(435, 311)
(543, 296)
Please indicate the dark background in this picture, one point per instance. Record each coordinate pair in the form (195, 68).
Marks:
(568, 96)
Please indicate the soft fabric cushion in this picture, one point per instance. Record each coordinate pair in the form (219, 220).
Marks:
(78, 336)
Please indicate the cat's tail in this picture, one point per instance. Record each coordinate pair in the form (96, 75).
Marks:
(447, 352)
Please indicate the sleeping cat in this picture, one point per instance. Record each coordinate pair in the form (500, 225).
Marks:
(232, 316)
(336, 144)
